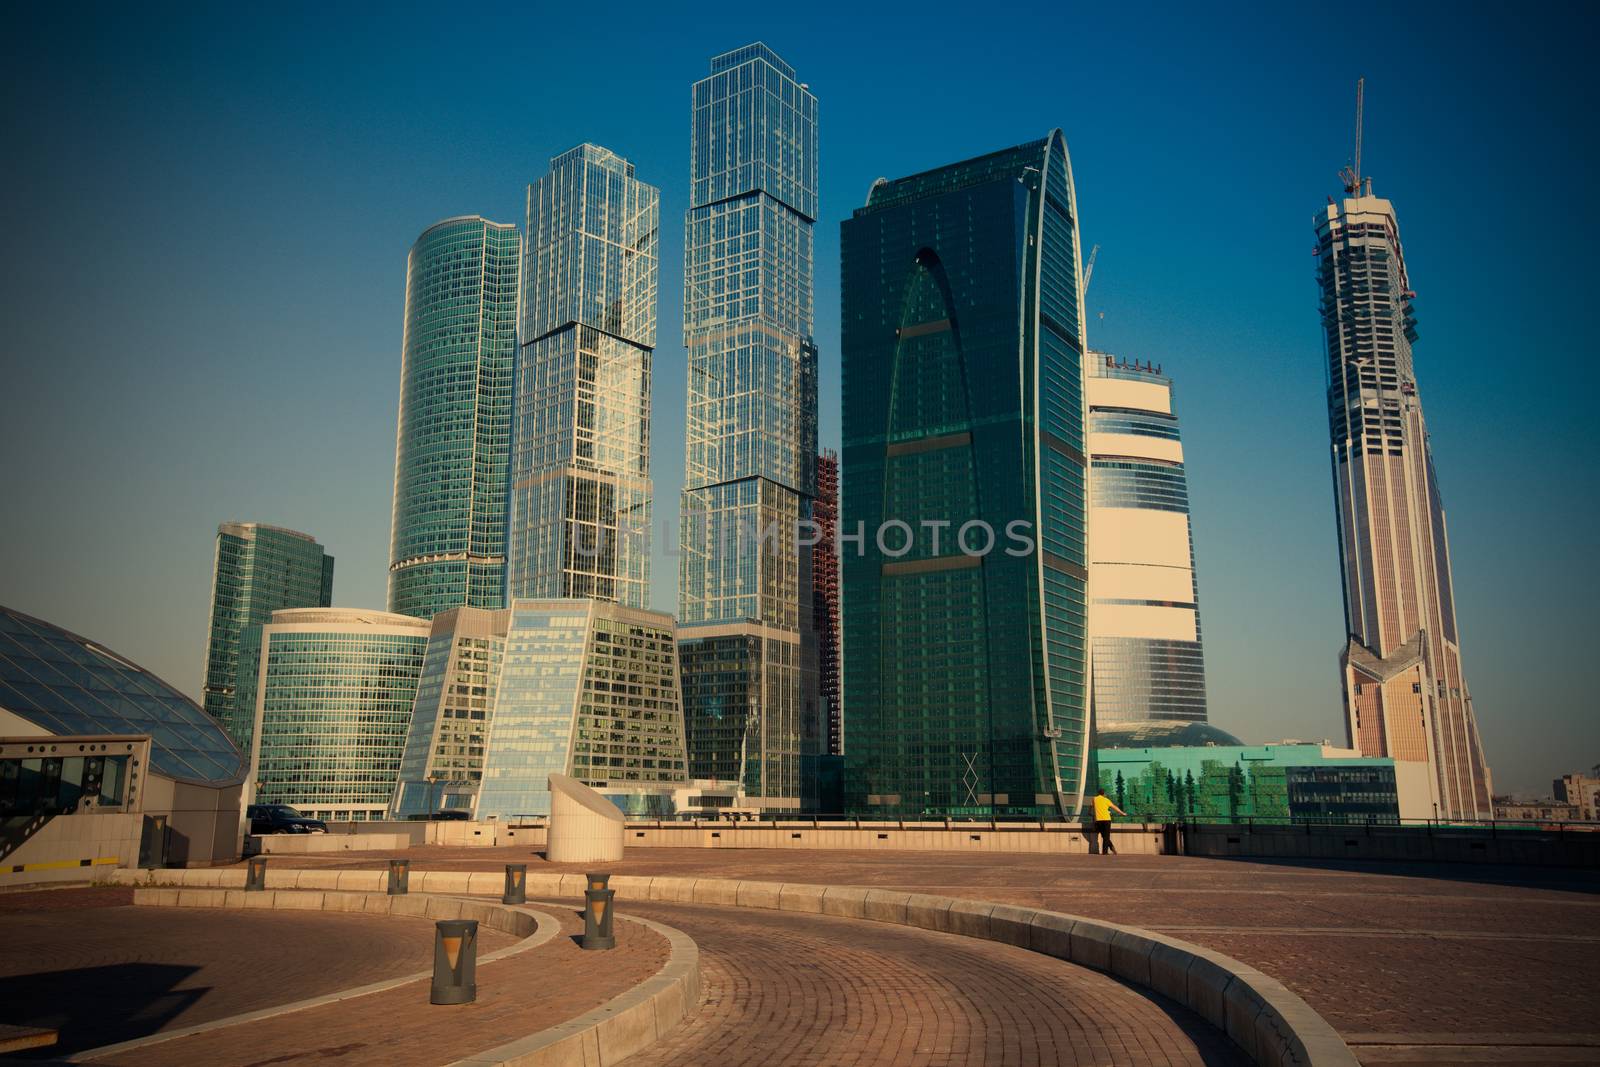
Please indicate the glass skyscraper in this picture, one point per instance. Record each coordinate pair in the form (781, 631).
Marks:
(1144, 618)
(258, 569)
(964, 607)
(334, 691)
(452, 447)
(589, 689)
(744, 596)
(1405, 695)
(580, 456)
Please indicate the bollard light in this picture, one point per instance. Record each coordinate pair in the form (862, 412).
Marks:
(455, 962)
(516, 884)
(599, 881)
(255, 874)
(597, 916)
(399, 877)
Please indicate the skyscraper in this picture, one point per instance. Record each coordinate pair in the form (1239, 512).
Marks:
(258, 569)
(744, 596)
(334, 689)
(964, 595)
(1405, 695)
(1144, 618)
(580, 481)
(825, 598)
(452, 446)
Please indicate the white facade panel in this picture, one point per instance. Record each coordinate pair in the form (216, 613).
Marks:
(1133, 620)
(1138, 535)
(1120, 393)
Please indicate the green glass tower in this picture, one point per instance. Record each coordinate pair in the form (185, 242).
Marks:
(258, 570)
(962, 509)
(453, 444)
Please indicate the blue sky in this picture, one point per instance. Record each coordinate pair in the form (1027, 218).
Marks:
(207, 213)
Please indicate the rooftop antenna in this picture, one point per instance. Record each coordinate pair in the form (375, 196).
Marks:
(1351, 176)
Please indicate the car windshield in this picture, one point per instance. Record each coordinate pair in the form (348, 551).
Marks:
(286, 811)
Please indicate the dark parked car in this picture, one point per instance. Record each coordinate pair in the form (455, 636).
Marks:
(282, 819)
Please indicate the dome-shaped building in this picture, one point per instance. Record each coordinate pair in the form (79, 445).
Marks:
(88, 734)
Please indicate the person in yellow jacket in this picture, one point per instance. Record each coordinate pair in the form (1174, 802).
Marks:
(1102, 821)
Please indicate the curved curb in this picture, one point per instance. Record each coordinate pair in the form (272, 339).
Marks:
(623, 1025)
(1269, 1023)
(534, 928)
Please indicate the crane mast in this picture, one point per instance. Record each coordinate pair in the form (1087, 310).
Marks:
(1351, 176)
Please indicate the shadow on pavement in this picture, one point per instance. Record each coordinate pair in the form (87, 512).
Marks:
(93, 1006)
(1559, 879)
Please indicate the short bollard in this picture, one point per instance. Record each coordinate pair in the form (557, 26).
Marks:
(598, 881)
(455, 962)
(597, 915)
(516, 884)
(255, 874)
(399, 877)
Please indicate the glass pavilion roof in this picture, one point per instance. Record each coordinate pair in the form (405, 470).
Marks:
(69, 685)
(1161, 733)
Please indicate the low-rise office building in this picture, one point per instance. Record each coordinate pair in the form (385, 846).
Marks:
(1161, 771)
(334, 692)
(443, 761)
(589, 689)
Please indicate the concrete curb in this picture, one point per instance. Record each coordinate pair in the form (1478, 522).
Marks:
(534, 928)
(623, 1025)
(1271, 1024)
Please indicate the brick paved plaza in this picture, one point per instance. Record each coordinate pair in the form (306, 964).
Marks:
(1441, 965)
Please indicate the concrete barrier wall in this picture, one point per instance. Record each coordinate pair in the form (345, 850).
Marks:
(1421, 844)
(75, 848)
(306, 844)
(926, 837)
(1267, 1021)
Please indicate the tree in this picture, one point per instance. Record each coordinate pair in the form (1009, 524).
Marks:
(1121, 793)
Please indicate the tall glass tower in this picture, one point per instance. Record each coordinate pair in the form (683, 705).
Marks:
(1405, 696)
(580, 456)
(744, 595)
(258, 569)
(448, 545)
(1144, 618)
(965, 688)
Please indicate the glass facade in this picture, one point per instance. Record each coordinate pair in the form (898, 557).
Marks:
(443, 760)
(966, 654)
(588, 689)
(258, 570)
(1234, 783)
(750, 458)
(333, 705)
(580, 490)
(1405, 694)
(1147, 658)
(452, 448)
(68, 685)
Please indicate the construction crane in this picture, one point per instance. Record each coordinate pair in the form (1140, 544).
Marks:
(1088, 269)
(1351, 176)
